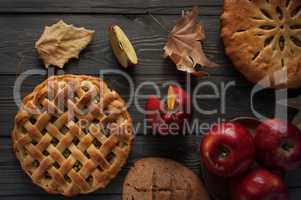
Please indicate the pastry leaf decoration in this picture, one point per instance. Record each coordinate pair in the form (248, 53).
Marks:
(61, 42)
(184, 45)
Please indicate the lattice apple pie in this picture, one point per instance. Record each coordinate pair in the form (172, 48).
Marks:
(72, 134)
(263, 39)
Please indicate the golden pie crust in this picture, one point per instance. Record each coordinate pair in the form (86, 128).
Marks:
(263, 40)
(72, 134)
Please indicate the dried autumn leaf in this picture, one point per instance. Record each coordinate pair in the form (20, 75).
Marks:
(61, 42)
(184, 45)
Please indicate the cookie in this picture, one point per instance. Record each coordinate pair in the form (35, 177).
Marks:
(162, 179)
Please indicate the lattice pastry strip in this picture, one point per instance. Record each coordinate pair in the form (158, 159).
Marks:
(64, 135)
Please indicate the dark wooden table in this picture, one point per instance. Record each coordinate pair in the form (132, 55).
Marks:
(22, 22)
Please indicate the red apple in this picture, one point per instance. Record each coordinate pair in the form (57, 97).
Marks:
(167, 116)
(228, 149)
(259, 185)
(278, 145)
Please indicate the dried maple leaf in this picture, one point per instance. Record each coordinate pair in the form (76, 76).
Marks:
(184, 45)
(61, 42)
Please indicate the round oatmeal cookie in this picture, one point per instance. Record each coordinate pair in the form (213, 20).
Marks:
(162, 179)
(72, 134)
(263, 40)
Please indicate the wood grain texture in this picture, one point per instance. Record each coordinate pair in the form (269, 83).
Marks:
(18, 52)
(170, 147)
(108, 6)
(22, 22)
(237, 98)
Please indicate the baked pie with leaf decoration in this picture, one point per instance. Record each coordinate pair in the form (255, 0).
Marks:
(263, 40)
(72, 134)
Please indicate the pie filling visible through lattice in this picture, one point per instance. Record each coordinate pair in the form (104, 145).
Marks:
(263, 39)
(72, 134)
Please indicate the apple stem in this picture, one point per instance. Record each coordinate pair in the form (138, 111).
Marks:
(287, 146)
(223, 152)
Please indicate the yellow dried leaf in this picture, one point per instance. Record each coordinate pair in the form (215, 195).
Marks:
(61, 42)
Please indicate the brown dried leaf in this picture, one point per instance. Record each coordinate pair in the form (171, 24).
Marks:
(184, 45)
(61, 42)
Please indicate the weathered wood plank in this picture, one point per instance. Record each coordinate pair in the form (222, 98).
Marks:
(19, 33)
(107, 6)
(237, 98)
(170, 147)
(294, 195)
(22, 28)
(57, 197)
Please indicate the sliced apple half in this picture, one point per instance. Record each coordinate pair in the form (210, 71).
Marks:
(171, 98)
(122, 47)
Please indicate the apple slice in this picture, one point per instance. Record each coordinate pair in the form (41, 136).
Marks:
(122, 47)
(171, 98)
(167, 115)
